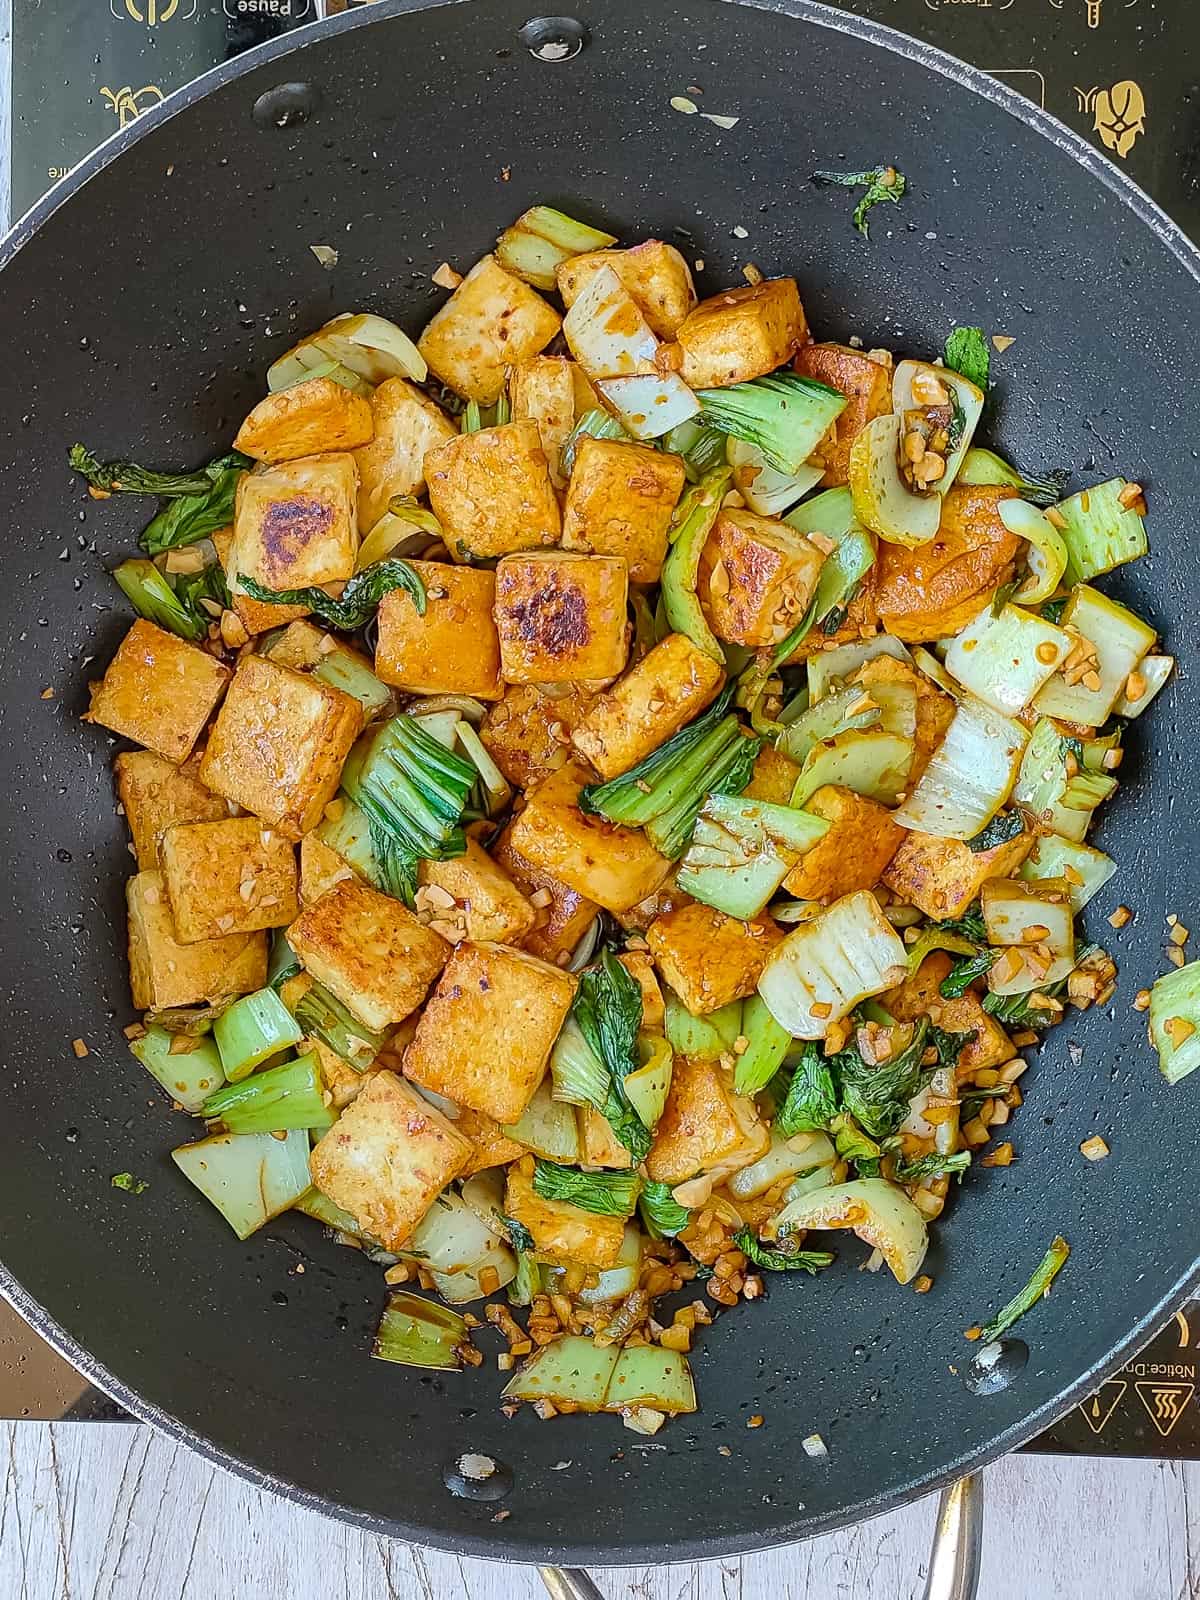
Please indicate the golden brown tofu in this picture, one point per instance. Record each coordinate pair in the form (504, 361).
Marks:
(561, 618)
(704, 1126)
(598, 1144)
(154, 794)
(666, 689)
(564, 1232)
(667, 897)
(528, 733)
(294, 526)
(867, 385)
(158, 691)
(490, 1145)
(387, 1157)
(708, 958)
(619, 503)
(936, 589)
(453, 648)
(232, 876)
(491, 492)
(485, 1037)
(756, 578)
(653, 274)
(639, 966)
(935, 710)
(320, 868)
(942, 878)
(407, 425)
(490, 322)
(563, 914)
(278, 745)
(338, 1078)
(472, 897)
(774, 777)
(614, 866)
(305, 420)
(920, 994)
(369, 951)
(741, 334)
(543, 389)
(163, 972)
(861, 840)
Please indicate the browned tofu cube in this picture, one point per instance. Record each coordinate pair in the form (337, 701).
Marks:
(295, 525)
(305, 420)
(561, 617)
(278, 745)
(935, 710)
(774, 777)
(256, 616)
(704, 1125)
(934, 590)
(320, 868)
(369, 951)
(232, 876)
(563, 914)
(708, 958)
(742, 334)
(612, 865)
(491, 492)
(158, 691)
(163, 972)
(154, 794)
(453, 648)
(667, 688)
(543, 389)
(619, 503)
(667, 897)
(386, 1159)
(861, 840)
(472, 897)
(990, 1047)
(942, 878)
(639, 966)
(485, 1037)
(867, 385)
(564, 1232)
(490, 322)
(490, 1145)
(407, 426)
(598, 1144)
(653, 274)
(528, 733)
(756, 578)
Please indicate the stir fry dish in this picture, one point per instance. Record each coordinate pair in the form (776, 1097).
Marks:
(610, 786)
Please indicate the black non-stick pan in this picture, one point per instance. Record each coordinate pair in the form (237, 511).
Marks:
(139, 307)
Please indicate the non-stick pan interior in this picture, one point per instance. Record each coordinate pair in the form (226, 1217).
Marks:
(140, 318)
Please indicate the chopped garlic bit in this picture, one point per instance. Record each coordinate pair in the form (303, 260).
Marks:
(1001, 342)
(446, 278)
(680, 102)
(1094, 1148)
(326, 255)
(814, 1446)
(720, 122)
(476, 1467)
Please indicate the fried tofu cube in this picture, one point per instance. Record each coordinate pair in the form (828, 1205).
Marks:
(232, 876)
(773, 778)
(610, 864)
(491, 492)
(278, 745)
(407, 426)
(163, 972)
(561, 617)
(342, 1082)
(867, 385)
(320, 868)
(158, 691)
(563, 915)
(942, 877)
(619, 503)
(933, 591)
(560, 1230)
(543, 389)
(155, 794)
(295, 526)
(640, 967)
(485, 1037)
(598, 1144)
(490, 322)
(935, 710)
(305, 420)
(454, 647)
(528, 732)
(704, 1126)
(490, 1145)
(756, 578)
(861, 840)
(709, 958)
(990, 1047)
(369, 951)
(741, 334)
(387, 1158)
(472, 897)
(654, 275)
(667, 688)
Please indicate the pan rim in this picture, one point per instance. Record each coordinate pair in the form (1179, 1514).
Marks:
(506, 1543)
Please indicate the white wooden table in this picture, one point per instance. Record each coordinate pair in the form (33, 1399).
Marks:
(111, 1511)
